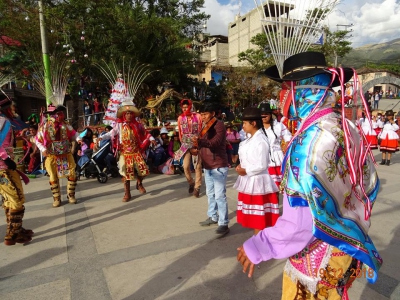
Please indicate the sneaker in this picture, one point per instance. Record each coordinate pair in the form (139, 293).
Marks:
(196, 193)
(208, 222)
(222, 229)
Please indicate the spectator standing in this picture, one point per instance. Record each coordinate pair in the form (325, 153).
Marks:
(376, 100)
(233, 137)
(258, 202)
(87, 110)
(212, 83)
(211, 143)
(97, 111)
(34, 160)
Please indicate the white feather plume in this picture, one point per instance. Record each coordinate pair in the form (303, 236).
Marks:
(59, 80)
(291, 26)
(133, 75)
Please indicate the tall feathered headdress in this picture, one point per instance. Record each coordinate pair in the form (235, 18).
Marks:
(291, 26)
(133, 75)
(126, 81)
(59, 82)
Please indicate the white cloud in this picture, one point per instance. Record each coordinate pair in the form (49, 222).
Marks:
(375, 21)
(221, 16)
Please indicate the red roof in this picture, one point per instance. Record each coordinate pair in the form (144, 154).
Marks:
(5, 40)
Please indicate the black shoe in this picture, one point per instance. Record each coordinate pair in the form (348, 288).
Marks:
(191, 188)
(196, 193)
(222, 229)
(388, 162)
(383, 162)
(208, 222)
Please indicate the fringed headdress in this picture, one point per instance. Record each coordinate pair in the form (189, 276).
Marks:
(59, 84)
(128, 80)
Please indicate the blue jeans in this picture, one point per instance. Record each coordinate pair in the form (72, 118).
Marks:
(215, 180)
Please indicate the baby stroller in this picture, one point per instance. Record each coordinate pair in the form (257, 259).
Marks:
(93, 166)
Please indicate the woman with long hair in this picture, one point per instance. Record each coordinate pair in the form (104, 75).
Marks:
(278, 136)
(258, 206)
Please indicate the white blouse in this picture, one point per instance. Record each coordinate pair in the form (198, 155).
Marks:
(282, 133)
(254, 157)
(389, 131)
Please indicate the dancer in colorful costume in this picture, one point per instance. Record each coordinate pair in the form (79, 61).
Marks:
(329, 184)
(132, 141)
(10, 179)
(54, 141)
(189, 124)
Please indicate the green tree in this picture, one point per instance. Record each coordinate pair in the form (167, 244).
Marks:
(260, 56)
(335, 46)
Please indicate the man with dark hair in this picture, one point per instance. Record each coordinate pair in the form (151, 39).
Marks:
(10, 179)
(211, 144)
(189, 126)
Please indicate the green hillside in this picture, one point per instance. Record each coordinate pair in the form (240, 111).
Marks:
(388, 52)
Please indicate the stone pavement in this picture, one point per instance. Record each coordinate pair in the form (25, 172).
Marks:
(153, 247)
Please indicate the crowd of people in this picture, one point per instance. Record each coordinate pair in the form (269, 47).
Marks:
(312, 166)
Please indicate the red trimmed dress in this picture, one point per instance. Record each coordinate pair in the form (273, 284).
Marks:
(275, 138)
(389, 138)
(258, 202)
(369, 133)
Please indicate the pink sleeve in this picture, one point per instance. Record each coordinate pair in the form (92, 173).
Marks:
(291, 233)
(3, 153)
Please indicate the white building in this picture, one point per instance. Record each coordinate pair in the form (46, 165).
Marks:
(245, 27)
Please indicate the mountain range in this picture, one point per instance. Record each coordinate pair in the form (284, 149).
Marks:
(388, 52)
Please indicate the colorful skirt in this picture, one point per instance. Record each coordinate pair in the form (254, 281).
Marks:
(257, 211)
(389, 145)
(321, 271)
(276, 174)
(372, 141)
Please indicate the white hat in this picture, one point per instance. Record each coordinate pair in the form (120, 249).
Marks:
(164, 130)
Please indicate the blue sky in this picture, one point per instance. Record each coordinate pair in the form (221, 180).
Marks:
(375, 21)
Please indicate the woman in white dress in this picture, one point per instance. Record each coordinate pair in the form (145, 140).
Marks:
(278, 135)
(258, 202)
(389, 138)
(369, 132)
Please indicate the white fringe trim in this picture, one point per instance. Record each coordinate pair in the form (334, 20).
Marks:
(310, 283)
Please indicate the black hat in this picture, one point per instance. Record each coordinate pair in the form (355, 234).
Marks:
(389, 113)
(304, 65)
(251, 114)
(209, 107)
(265, 108)
(5, 102)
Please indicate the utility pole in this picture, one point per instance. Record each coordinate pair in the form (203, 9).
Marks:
(46, 57)
(337, 29)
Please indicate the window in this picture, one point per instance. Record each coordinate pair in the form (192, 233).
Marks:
(233, 25)
(378, 75)
(244, 19)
